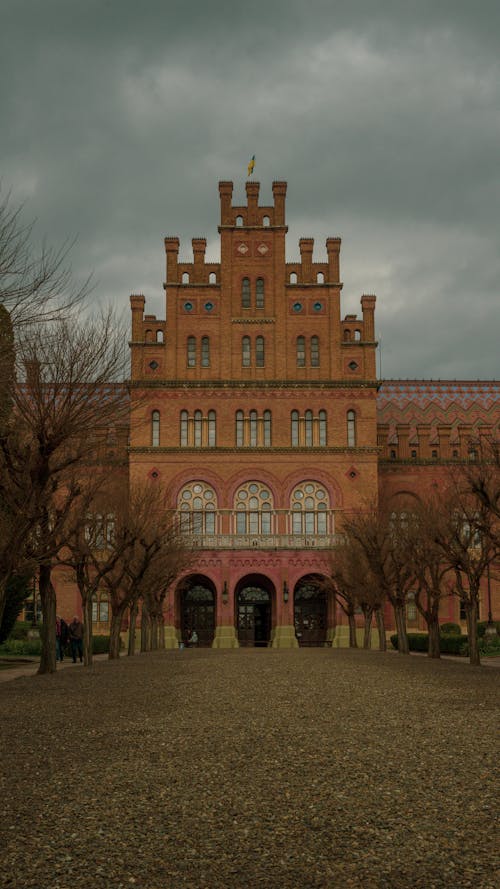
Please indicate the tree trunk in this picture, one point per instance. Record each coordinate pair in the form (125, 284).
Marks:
(399, 616)
(471, 616)
(154, 632)
(3, 594)
(161, 631)
(132, 626)
(87, 631)
(367, 633)
(114, 632)
(353, 642)
(48, 629)
(145, 628)
(433, 628)
(379, 620)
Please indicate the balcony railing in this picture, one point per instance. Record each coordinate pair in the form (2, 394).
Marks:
(266, 541)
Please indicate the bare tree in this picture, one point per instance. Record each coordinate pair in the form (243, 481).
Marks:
(35, 284)
(156, 553)
(381, 534)
(468, 546)
(356, 587)
(69, 392)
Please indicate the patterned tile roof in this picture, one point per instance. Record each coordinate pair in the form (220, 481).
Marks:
(443, 402)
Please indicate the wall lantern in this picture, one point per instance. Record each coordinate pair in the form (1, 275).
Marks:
(285, 591)
(225, 595)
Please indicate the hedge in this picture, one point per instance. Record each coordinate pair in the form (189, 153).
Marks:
(33, 647)
(420, 642)
(482, 624)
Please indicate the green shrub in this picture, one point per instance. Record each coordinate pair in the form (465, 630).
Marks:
(482, 624)
(100, 644)
(450, 629)
(490, 647)
(31, 647)
(20, 629)
(420, 642)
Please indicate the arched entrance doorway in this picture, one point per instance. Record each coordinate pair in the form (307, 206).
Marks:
(310, 611)
(198, 609)
(254, 612)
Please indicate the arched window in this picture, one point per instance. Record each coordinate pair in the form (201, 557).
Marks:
(351, 429)
(184, 429)
(211, 429)
(239, 221)
(148, 336)
(205, 351)
(267, 429)
(259, 293)
(295, 429)
(322, 429)
(245, 293)
(310, 506)
(320, 278)
(212, 278)
(309, 428)
(198, 429)
(191, 351)
(185, 278)
(293, 277)
(434, 455)
(259, 351)
(357, 335)
(159, 336)
(197, 505)
(301, 351)
(314, 351)
(239, 429)
(245, 351)
(347, 335)
(155, 429)
(413, 455)
(266, 221)
(253, 429)
(253, 506)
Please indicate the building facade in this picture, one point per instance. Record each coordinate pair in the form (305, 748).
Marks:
(256, 406)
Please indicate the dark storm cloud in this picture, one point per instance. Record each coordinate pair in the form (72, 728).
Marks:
(382, 116)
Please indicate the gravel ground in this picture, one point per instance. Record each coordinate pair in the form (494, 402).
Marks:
(309, 768)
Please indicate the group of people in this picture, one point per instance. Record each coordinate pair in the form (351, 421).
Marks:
(69, 633)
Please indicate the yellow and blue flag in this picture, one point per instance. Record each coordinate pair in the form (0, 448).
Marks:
(251, 165)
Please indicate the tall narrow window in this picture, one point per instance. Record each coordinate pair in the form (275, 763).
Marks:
(211, 429)
(245, 293)
(322, 429)
(155, 429)
(259, 293)
(309, 428)
(314, 351)
(205, 351)
(259, 351)
(351, 429)
(253, 429)
(245, 351)
(191, 351)
(184, 429)
(239, 429)
(301, 351)
(295, 429)
(267, 429)
(198, 425)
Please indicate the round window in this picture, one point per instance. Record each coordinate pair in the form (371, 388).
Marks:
(297, 307)
(188, 306)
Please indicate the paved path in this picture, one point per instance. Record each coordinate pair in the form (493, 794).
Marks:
(282, 769)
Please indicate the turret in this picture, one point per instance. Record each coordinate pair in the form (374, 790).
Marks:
(172, 250)
(333, 251)
(368, 307)
(306, 246)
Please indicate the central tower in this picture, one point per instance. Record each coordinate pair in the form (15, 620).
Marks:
(256, 411)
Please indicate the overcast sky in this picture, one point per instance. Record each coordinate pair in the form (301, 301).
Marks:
(118, 119)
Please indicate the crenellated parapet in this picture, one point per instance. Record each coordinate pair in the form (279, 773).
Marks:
(307, 272)
(252, 215)
(196, 272)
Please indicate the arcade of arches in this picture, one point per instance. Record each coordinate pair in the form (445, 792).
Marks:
(254, 614)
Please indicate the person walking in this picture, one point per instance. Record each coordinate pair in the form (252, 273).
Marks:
(61, 637)
(76, 639)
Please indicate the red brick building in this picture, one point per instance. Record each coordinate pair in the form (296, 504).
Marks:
(258, 407)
